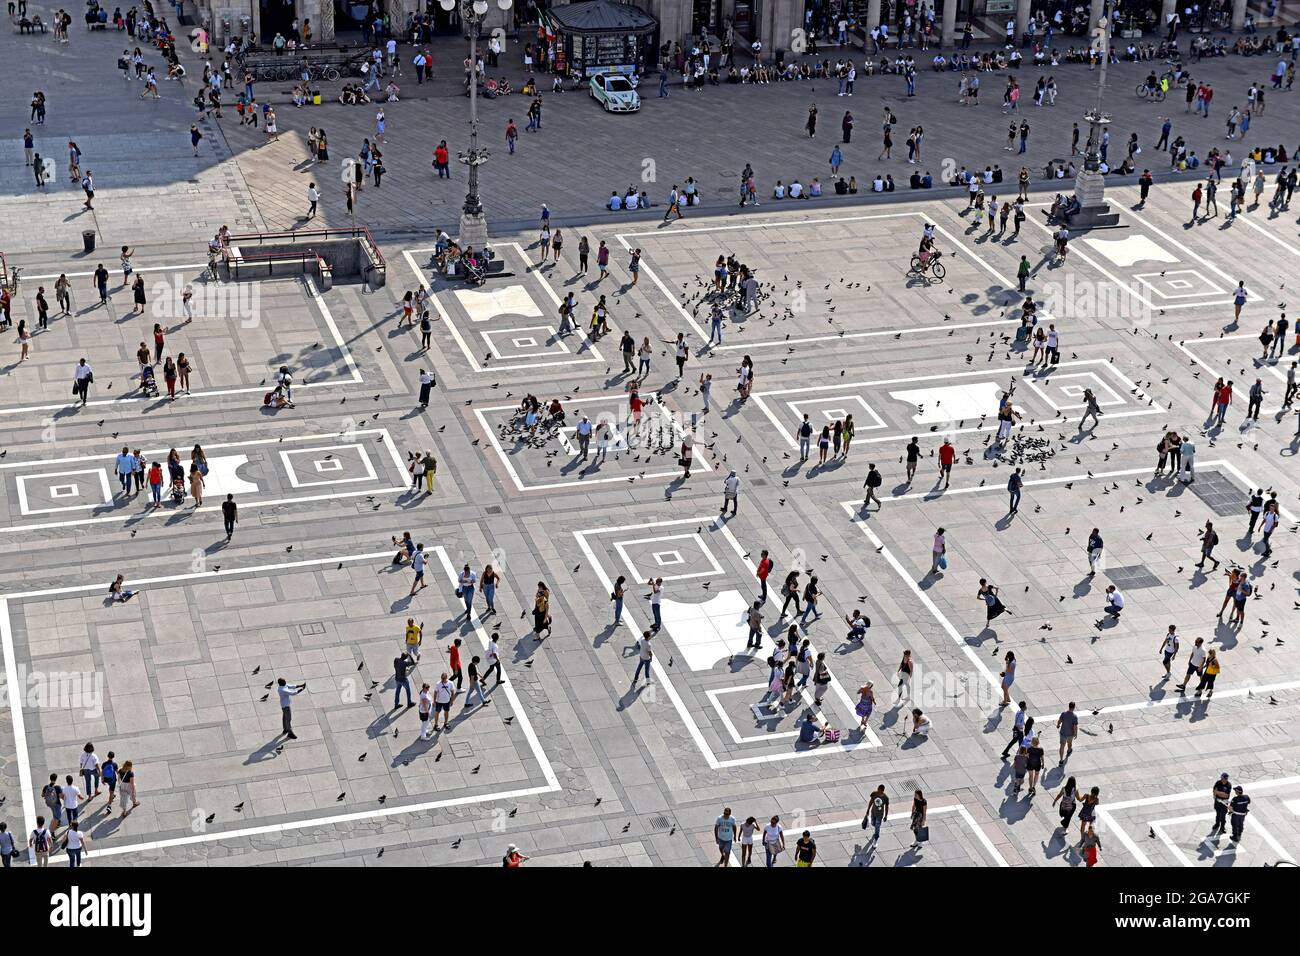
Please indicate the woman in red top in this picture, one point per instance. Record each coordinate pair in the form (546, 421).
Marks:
(636, 403)
(155, 483)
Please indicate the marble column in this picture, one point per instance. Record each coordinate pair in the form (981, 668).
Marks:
(948, 23)
(873, 19)
(1022, 18)
(1238, 15)
(1096, 11)
(1167, 7)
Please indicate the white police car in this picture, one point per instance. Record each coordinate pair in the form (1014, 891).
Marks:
(615, 92)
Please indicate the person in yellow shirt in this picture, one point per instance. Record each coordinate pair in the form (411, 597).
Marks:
(414, 635)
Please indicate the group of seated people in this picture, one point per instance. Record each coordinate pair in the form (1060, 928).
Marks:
(1063, 208)
(530, 415)
(494, 88)
(629, 200)
(96, 17)
(1268, 155)
(31, 24)
(352, 94)
(990, 175)
(796, 189)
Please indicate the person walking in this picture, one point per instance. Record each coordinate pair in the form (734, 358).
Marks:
(402, 665)
(444, 692)
(413, 637)
(645, 656)
(1209, 673)
(918, 823)
(1195, 662)
(1017, 729)
(724, 835)
(40, 841)
(773, 840)
(1034, 757)
(1169, 650)
(230, 515)
(1068, 727)
(877, 811)
(1068, 798)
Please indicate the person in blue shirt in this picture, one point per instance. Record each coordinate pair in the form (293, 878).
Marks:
(810, 731)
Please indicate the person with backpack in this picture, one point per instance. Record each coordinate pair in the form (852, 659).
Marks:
(40, 842)
(52, 795)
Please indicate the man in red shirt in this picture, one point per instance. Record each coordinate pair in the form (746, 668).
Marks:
(441, 160)
(947, 455)
(765, 566)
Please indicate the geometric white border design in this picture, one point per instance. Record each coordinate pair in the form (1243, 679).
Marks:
(25, 780)
(661, 672)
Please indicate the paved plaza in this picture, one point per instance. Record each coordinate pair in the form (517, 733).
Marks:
(569, 758)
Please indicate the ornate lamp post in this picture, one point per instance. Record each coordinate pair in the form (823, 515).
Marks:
(473, 222)
(1090, 182)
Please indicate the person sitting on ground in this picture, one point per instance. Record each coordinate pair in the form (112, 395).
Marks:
(853, 184)
(615, 201)
(391, 91)
(299, 98)
(279, 398)
(796, 189)
(841, 187)
(631, 201)
(118, 592)
(778, 191)
(810, 729)
(914, 181)
(878, 184)
(815, 188)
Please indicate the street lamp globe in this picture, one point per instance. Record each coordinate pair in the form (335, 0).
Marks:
(447, 5)
(480, 7)
(505, 4)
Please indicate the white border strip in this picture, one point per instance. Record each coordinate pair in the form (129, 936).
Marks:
(24, 763)
(870, 739)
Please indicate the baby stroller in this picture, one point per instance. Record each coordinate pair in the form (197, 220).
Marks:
(177, 474)
(148, 382)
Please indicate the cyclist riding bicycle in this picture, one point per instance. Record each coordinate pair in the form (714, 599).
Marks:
(1151, 82)
(927, 252)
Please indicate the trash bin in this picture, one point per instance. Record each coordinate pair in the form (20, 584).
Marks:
(88, 240)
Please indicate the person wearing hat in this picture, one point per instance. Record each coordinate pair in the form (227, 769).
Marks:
(1222, 794)
(1239, 807)
(513, 857)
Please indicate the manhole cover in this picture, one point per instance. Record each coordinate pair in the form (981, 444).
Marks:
(659, 823)
(311, 628)
(462, 749)
(1133, 577)
(1223, 495)
(494, 509)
